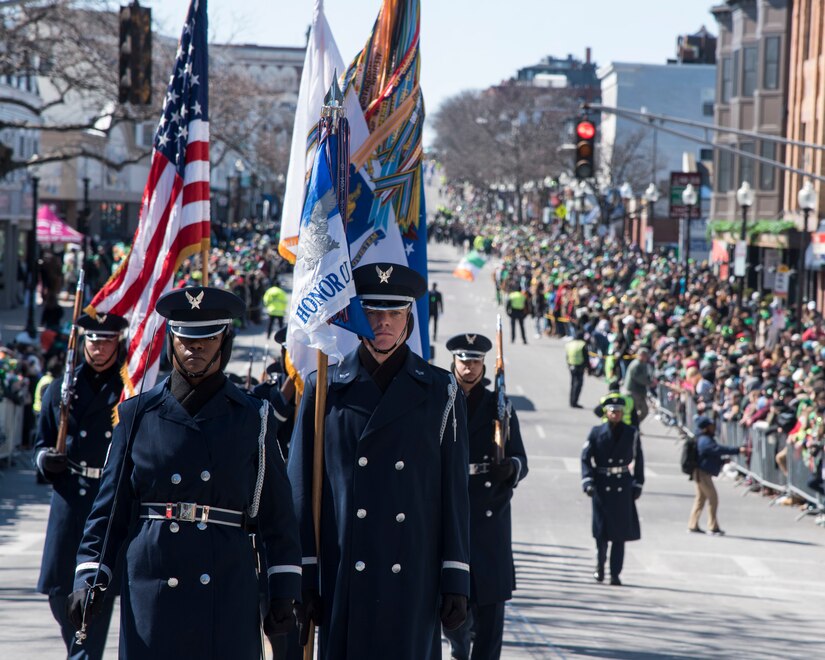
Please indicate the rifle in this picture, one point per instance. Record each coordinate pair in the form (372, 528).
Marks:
(67, 387)
(503, 405)
(249, 371)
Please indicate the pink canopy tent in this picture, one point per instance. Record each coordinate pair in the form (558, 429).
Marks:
(51, 229)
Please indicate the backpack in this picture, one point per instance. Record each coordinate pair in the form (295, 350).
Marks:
(690, 456)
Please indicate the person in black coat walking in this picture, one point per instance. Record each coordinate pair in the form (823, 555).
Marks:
(394, 536)
(613, 475)
(492, 572)
(193, 472)
(75, 474)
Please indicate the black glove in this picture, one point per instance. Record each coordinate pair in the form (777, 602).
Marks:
(637, 493)
(310, 609)
(54, 463)
(280, 619)
(453, 610)
(77, 602)
(501, 471)
(589, 491)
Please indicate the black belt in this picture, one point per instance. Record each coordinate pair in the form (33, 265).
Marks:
(622, 469)
(192, 512)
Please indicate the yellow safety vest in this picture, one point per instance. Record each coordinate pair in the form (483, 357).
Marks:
(518, 301)
(275, 301)
(575, 352)
(627, 417)
(39, 390)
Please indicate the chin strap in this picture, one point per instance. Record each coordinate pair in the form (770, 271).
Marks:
(401, 338)
(190, 374)
(102, 367)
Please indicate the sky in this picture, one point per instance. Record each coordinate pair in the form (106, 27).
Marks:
(467, 44)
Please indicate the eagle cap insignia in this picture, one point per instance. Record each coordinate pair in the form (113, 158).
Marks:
(471, 339)
(384, 275)
(101, 318)
(195, 301)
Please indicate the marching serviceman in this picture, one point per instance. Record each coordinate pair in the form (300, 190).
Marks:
(613, 475)
(75, 475)
(394, 536)
(279, 390)
(492, 572)
(194, 471)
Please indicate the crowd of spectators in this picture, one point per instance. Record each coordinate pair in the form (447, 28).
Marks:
(747, 360)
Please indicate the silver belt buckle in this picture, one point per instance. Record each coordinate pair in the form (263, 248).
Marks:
(479, 468)
(186, 511)
(92, 473)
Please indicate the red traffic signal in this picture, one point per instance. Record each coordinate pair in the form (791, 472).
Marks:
(585, 130)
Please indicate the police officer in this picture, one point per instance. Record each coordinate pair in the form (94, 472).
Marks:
(576, 353)
(607, 477)
(517, 310)
(193, 469)
(492, 572)
(629, 416)
(395, 510)
(75, 475)
(279, 390)
(275, 302)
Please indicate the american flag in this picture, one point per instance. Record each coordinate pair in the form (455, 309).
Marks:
(174, 214)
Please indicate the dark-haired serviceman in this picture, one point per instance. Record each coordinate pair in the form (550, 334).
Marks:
(75, 474)
(394, 541)
(201, 471)
(492, 572)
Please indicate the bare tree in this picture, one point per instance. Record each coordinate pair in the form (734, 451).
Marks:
(508, 134)
(627, 159)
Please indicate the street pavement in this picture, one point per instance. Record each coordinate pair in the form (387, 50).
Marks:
(758, 592)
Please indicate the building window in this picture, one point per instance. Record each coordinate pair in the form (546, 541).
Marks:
(767, 173)
(707, 108)
(727, 82)
(706, 154)
(746, 169)
(735, 85)
(749, 61)
(724, 176)
(771, 66)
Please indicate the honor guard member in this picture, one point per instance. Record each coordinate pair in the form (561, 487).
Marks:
(194, 468)
(394, 537)
(576, 352)
(492, 572)
(279, 390)
(613, 475)
(75, 475)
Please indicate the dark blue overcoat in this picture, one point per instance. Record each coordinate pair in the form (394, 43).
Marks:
(87, 441)
(190, 589)
(284, 411)
(614, 509)
(492, 573)
(395, 510)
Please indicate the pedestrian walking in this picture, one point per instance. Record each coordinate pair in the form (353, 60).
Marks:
(492, 572)
(710, 455)
(613, 476)
(638, 380)
(517, 311)
(75, 474)
(394, 534)
(275, 301)
(576, 354)
(181, 498)
(436, 301)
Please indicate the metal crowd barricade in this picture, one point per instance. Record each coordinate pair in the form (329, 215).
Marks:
(763, 458)
(11, 428)
(669, 406)
(800, 472)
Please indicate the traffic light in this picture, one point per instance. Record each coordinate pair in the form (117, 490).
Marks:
(135, 55)
(585, 138)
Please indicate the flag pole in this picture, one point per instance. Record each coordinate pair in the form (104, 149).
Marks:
(205, 262)
(334, 121)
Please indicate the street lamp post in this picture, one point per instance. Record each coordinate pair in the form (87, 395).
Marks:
(744, 197)
(689, 199)
(579, 206)
(626, 193)
(31, 250)
(806, 197)
(651, 197)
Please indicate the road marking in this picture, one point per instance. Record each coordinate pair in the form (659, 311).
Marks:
(519, 390)
(540, 431)
(753, 567)
(573, 465)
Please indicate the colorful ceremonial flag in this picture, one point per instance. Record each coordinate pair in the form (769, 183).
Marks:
(323, 286)
(321, 62)
(469, 266)
(174, 214)
(385, 108)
